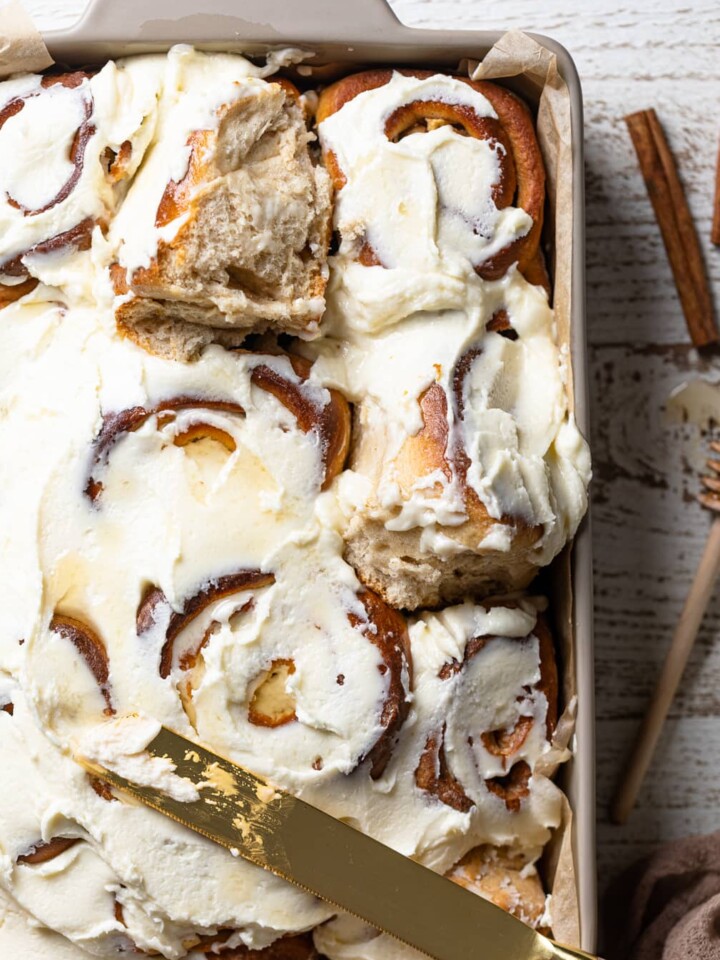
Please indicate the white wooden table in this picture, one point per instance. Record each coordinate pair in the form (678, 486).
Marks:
(648, 529)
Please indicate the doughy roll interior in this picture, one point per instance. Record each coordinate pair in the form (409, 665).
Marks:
(227, 224)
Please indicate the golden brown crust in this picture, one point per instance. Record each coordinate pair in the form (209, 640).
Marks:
(178, 194)
(271, 704)
(331, 421)
(504, 877)
(522, 181)
(205, 431)
(10, 293)
(426, 451)
(536, 272)
(78, 237)
(154, 601)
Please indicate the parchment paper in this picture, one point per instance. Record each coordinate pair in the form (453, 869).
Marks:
(22, 49)
(534, 70)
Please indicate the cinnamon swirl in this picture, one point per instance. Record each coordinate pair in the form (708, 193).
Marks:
(505, 168)
(70, 143)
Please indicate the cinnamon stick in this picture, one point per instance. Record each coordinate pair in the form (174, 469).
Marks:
(682, 245)
(715, 233)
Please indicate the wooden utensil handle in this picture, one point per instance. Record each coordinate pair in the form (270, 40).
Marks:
(675, 661)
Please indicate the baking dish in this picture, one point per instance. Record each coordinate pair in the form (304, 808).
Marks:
(366, 32)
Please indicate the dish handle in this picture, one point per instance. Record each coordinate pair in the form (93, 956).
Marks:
(173, 20)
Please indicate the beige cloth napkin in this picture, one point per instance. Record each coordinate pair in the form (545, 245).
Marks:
(668, 906)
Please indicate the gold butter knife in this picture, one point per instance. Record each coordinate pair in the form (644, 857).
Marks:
(274, 830)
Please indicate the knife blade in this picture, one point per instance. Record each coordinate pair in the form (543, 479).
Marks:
(259, 821)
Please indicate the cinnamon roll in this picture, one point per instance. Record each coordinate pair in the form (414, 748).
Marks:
(508, 172)
(341, 696)
(467, 472)
(227, 225)
(480, 752)
(70, 143)
(440, 185)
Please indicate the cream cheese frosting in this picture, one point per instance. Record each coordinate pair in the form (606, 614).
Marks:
(121, 745)
(172, 556)
(173, 517)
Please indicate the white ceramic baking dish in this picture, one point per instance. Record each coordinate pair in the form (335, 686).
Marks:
(366, 32)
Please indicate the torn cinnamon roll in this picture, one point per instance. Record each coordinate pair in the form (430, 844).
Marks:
(227, 225)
